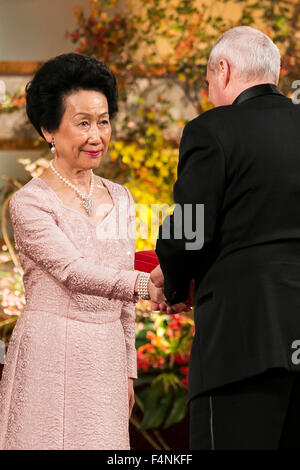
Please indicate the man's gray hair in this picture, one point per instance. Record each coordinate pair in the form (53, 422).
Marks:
(251, 53)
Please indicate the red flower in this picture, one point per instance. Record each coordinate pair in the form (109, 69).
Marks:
(143, 365)
(185, 382)
(181, 359)
(75, 36)
(175, 324)
(159, 361)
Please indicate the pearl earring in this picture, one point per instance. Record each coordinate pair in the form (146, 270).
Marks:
(52, 149)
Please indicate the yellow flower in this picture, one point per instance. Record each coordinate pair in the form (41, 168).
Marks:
(125, 159)
(118, 145)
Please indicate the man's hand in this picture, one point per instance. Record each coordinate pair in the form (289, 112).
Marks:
(157, 276)
(187, 305)
(177, 308)
(162, 307)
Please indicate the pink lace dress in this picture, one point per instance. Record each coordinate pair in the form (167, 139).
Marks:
(65, 381)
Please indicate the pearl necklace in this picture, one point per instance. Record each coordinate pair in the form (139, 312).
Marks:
(87, 200)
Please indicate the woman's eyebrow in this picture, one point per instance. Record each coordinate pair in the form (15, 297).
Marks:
(88, 114)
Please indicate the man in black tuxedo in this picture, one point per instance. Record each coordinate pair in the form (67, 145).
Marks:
(241, 160)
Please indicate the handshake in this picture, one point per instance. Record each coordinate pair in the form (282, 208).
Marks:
(158, 300)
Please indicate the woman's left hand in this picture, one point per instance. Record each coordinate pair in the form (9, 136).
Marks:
(130, 395)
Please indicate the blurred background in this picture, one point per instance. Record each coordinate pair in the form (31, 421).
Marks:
(158, 50)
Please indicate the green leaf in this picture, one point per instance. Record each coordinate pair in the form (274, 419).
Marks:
(141, 338)
(144, 380)
(279, 22)
(168, 379)
(178, 410)
(156, 404)
(247, 19)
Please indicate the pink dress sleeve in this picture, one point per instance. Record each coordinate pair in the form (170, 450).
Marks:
(39, 237)
(128, 308)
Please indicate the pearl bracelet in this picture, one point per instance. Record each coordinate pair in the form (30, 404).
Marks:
(142, 286)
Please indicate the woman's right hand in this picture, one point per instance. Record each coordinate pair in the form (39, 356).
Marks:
(156, 293)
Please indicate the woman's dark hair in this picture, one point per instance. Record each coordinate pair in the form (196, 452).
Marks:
(58, 78)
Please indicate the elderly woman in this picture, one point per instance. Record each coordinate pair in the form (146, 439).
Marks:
(68, 379)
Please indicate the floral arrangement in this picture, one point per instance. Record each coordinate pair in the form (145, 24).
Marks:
(13, 102)
(163, 345)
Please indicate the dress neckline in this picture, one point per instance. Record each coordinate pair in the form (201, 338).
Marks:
(75, 210)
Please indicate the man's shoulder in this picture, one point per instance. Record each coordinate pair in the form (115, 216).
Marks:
(212, 117)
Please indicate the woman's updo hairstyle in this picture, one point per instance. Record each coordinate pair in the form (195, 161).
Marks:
(60, 77)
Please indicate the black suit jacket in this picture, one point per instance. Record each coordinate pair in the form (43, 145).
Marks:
(243, 163)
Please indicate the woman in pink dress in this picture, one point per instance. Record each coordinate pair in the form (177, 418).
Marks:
(71, 362)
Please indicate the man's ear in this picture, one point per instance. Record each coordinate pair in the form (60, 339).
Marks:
(224, 72)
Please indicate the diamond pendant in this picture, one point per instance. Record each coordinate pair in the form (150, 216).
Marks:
(87, 204)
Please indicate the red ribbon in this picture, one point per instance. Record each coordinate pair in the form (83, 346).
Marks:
(145, 261)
